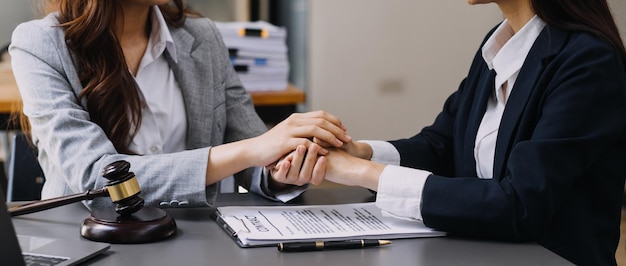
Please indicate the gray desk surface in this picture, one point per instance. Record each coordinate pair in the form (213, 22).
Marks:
(200, 241)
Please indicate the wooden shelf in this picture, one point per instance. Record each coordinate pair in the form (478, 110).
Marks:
(9, 94)
(272, 106)
(290, 96)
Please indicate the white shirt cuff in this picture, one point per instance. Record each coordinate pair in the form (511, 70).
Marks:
(400, 192)
(291, 194)
(383, 152)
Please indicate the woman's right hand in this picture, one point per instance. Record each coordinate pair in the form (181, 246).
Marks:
(358, 149)
(354, 148)
(298, 129)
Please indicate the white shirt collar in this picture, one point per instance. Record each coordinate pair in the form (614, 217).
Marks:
(504, 45)
(160, 37)
(506, 51)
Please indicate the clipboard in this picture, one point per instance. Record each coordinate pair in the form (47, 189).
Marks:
(260, 226)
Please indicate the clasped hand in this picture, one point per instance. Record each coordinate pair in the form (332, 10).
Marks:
(296, 135)
(325, 158)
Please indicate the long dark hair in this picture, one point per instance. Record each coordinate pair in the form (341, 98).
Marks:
(110, 90)
(593, 16)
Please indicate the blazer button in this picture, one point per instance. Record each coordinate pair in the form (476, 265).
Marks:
(174, 203)
(164, 204)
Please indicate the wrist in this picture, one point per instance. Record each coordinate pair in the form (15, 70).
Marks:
(274, 186)
(363, 150)
(227, 159)
(368, 174)
(249, 153)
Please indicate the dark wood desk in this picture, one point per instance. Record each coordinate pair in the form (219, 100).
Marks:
(200, 241)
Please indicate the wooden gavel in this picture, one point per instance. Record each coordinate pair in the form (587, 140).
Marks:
(122, 187)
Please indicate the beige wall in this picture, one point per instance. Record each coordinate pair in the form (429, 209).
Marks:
(221, 10)
(619, 13)
(13, 14)
(386, 67)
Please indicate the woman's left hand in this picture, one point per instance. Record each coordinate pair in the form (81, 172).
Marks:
(337, 166)
(302, 166)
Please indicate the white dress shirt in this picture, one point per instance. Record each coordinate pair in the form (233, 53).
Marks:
(164, 125)
(163, 109)
(400, 188)
(505, 53)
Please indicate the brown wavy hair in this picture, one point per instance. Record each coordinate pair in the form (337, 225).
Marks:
(108, 86)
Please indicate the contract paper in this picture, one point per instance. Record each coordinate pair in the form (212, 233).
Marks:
(269, 225)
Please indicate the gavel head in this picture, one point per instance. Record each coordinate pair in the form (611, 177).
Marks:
(123, 188)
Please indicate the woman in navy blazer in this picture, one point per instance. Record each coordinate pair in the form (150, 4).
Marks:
(558, 158)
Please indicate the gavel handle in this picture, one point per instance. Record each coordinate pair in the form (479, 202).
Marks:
(56, 202)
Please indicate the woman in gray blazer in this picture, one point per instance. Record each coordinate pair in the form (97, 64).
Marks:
(151, 83)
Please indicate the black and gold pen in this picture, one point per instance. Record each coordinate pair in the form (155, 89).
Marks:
(322, 245)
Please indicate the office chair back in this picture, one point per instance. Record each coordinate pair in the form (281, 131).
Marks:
(25, 175)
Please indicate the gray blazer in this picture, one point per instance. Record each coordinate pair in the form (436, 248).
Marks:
(73, 150)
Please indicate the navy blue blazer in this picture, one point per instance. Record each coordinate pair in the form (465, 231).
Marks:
(560, 152)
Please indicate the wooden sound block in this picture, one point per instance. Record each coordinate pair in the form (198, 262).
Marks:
(146, 225)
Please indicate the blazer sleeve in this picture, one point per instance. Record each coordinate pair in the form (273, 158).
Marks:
(241, 119)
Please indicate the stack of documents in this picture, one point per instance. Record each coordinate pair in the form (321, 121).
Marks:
(258, 51)
(253, 226)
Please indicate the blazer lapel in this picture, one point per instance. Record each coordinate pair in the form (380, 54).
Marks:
(484, 85)
(193, 76)
(547, 44)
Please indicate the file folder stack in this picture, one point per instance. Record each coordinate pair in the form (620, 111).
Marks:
(258, 51)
